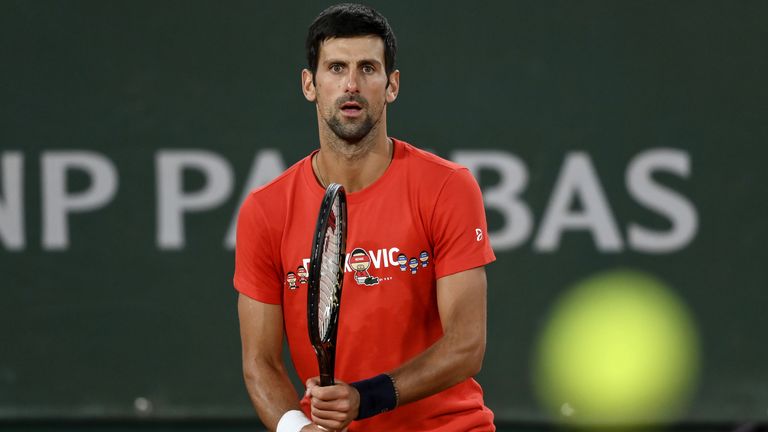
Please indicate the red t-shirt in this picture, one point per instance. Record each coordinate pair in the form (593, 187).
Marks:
(421, 220)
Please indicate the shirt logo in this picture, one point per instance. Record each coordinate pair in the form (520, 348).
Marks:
(479, 233)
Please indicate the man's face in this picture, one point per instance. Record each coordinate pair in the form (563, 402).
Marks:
(350, 86)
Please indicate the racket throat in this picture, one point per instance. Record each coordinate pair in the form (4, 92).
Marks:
(326, 362)
(326, 380)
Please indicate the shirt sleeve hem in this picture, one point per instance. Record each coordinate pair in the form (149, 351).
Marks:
(460, 265)
(259, 294)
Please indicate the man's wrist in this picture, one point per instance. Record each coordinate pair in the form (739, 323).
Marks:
(292, 421)
(377, 395)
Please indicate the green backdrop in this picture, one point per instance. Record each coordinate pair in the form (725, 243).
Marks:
(105, 312)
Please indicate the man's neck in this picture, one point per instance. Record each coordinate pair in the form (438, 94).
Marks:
(354, 165)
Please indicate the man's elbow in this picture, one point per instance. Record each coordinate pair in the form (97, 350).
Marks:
(250, 371)
(472, 360)
(476, 362)
(254, 369)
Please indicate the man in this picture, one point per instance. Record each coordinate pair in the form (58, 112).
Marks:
(409, 345)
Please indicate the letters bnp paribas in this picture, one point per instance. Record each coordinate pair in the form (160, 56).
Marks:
(576, 181)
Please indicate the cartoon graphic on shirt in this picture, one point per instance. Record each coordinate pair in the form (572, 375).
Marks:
(403, 261)
(360, 262)
(291, 279)
(424, 258)
(302, 272)
(413, 263)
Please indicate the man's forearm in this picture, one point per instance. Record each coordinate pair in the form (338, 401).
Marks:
(270, 390)
(446, 363)
(459, 353)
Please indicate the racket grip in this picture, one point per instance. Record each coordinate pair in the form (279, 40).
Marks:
(326, 379)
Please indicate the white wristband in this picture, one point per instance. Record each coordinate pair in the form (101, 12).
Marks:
(292, 421)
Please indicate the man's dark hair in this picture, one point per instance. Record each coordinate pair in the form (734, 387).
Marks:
(348, 20)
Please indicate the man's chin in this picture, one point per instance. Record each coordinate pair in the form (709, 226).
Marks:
(353, 135)
(351, 139)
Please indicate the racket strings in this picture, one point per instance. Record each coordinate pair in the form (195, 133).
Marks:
(329, 272)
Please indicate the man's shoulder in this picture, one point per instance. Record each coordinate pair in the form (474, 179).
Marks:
(432, 172)
(280, 185)
(427, 162)
(277, 191)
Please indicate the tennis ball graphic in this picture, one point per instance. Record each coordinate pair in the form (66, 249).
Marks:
(618, 349)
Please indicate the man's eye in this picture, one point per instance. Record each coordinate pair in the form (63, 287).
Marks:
(336, 68)
(368, 69)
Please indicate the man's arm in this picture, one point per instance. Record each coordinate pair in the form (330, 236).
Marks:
(456, 356)
(261, 334)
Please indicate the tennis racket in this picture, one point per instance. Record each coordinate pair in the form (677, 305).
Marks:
(326, 276)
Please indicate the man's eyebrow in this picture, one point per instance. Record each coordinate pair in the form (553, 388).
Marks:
(370, 61)
(334, 61)
(344, 62)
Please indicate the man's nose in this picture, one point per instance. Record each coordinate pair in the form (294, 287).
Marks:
(352, 84)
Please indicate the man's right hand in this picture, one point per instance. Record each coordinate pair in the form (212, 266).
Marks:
(315, 428)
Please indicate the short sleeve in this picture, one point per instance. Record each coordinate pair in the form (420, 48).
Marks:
(257, 273)
(459, 227)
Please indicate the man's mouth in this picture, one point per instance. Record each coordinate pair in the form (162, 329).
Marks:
(351, 107)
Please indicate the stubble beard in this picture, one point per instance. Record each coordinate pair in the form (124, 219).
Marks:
(352, 132)
(352, 137)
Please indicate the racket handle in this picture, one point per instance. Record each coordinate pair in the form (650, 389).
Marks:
(326, 379)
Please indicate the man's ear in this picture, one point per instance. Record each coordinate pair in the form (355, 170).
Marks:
(308, 86)
(394, 86)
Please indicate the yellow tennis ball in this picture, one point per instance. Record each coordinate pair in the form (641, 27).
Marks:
(618, 349)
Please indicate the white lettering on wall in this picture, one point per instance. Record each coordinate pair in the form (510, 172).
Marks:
(11, 202)
(58, 203)
(680, 212)
(173, 201)
(578, 179)
(577, 182)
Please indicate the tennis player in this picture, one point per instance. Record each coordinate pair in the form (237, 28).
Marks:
(409, 344)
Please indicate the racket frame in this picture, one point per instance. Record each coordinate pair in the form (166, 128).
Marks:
(325, 347)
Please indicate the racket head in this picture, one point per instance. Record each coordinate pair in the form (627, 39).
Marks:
(326, 277)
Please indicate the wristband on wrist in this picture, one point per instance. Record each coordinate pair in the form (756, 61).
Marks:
(377, 395)
(292, 421)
